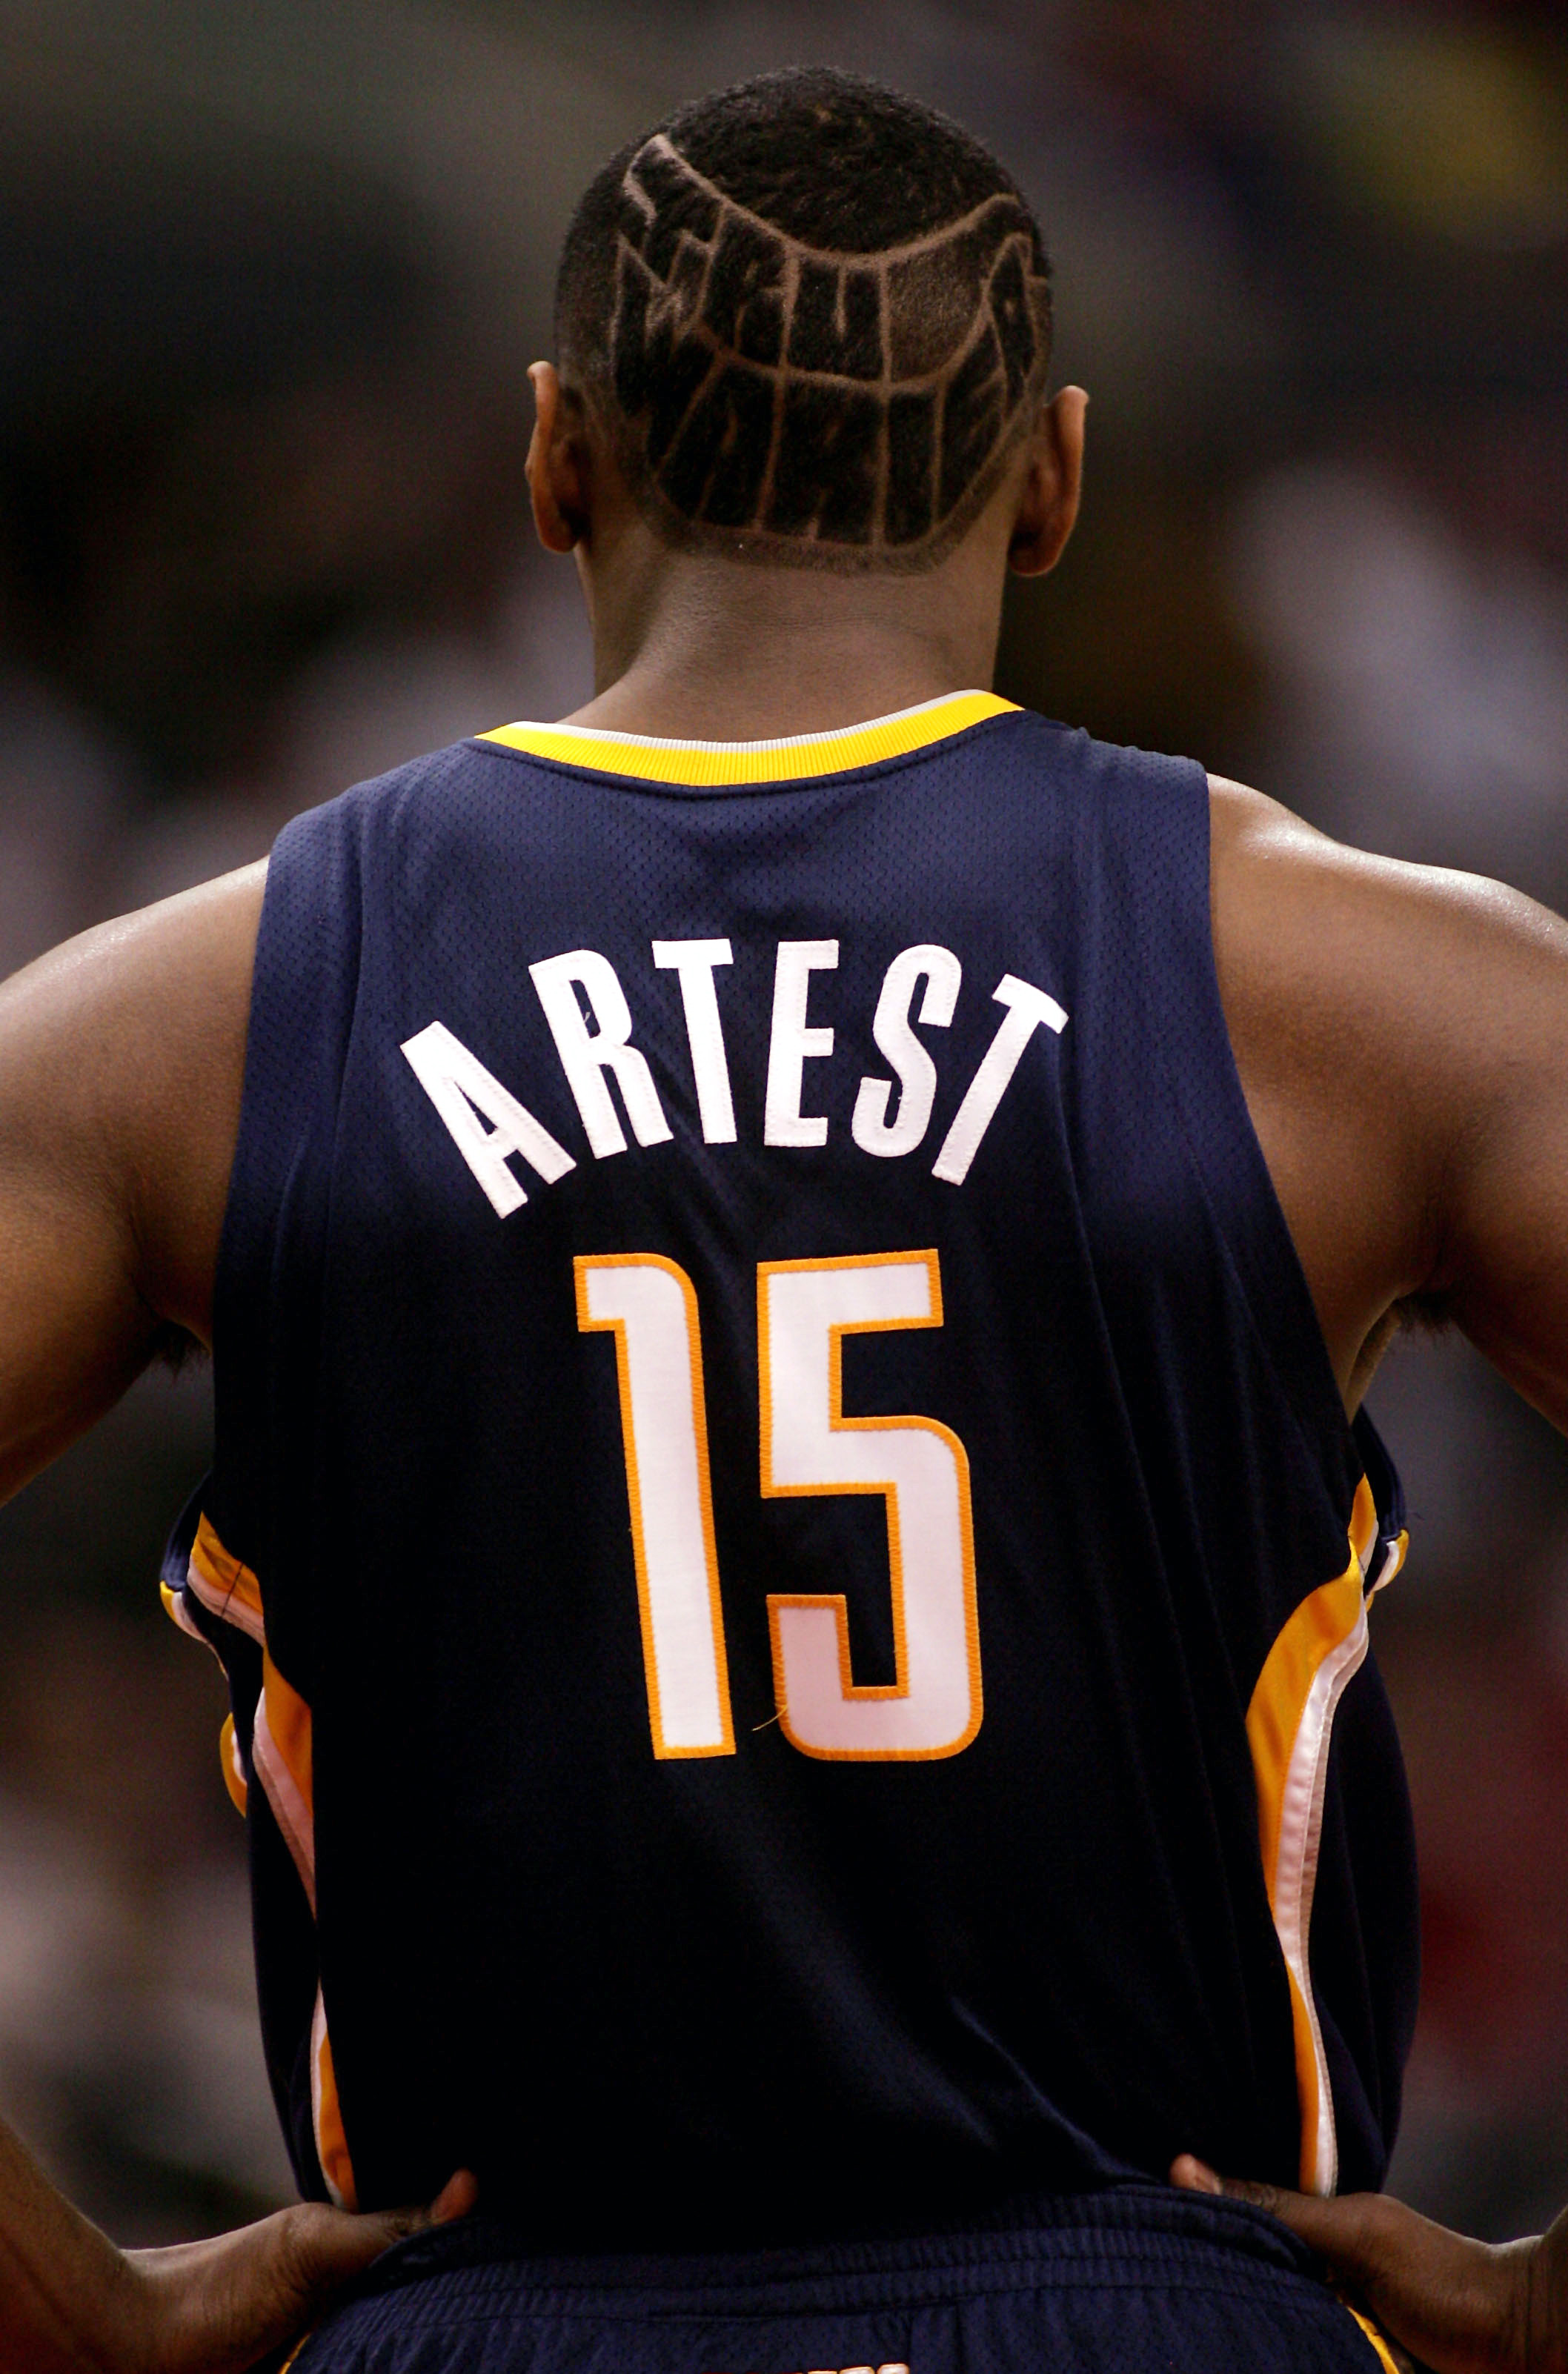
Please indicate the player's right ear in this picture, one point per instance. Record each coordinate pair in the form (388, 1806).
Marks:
(555, 465)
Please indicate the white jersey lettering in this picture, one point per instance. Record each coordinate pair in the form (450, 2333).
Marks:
(1028, 1010)
(793, 1043)
(587, 1056)
(461, 1090)
(694, 961)
(941, 973)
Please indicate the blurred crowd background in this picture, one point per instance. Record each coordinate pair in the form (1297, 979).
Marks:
(271, 277)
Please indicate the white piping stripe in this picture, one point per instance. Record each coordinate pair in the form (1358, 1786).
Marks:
(1393, 1559)
(289, 1809)
(186, 1621)
(318, 2043)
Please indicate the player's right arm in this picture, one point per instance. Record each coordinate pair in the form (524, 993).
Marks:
(69, 2300)
(121, 1063)
(122, 1060)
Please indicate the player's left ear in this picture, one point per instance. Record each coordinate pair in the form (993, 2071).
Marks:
(1047, 503)
(555, 465)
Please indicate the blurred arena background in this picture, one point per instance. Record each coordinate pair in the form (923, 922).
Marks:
(271, 277)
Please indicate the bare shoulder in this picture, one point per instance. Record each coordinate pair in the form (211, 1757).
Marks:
(1263, 854)
(1414, 965)
(121, 1062)
(1400, 1033)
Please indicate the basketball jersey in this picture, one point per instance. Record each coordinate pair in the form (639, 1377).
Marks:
(792, 1569)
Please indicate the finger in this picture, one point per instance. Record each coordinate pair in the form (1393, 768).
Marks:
(455, 2199)
(1193, 2175)
(1357, 2233)
(1352, 2232)
(331, 2246)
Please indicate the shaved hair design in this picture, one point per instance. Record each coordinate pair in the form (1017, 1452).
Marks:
(844, 400)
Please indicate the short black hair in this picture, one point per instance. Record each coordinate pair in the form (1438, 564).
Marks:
(814, 316)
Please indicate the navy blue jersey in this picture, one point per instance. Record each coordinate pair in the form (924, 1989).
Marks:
(792, 1567)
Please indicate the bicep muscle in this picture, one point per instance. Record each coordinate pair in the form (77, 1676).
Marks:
(120, 1063)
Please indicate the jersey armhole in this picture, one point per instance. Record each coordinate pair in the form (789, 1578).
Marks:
(1195, 1042)
(302, 998)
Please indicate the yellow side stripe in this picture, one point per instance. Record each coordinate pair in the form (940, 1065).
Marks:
(233, 1770)
(282, 1751)
(1385, 2355)
(1320, 1622)
(1364, 1525)
(225, 1586)
(788, 761)
(1289, 1721)
(332, 2144)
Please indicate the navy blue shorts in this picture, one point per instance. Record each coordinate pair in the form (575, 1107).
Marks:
(1134, 2281)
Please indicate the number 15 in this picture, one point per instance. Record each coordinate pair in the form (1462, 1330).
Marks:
(804, 1311)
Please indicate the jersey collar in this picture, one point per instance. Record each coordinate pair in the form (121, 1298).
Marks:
(653, 760)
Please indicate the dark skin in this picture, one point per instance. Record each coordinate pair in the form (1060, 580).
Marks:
(1461, 2307)
(1398, 1034)
(71, 2303)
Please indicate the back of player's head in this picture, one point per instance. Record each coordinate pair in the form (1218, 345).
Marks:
(814, 316)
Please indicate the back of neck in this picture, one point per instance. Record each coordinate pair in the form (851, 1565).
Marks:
(723, 651)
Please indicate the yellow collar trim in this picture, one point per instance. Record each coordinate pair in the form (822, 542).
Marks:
(786, 761)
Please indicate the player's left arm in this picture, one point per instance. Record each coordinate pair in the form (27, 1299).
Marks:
(1402, 1037)
(1462, 2307)
(1500, 1138)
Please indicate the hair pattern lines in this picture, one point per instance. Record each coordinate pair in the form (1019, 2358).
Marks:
(814, 398)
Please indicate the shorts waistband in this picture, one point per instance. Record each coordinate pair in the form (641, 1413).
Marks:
(1128, 2233)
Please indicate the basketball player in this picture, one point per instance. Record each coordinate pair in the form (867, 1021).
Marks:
(792, 1263)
